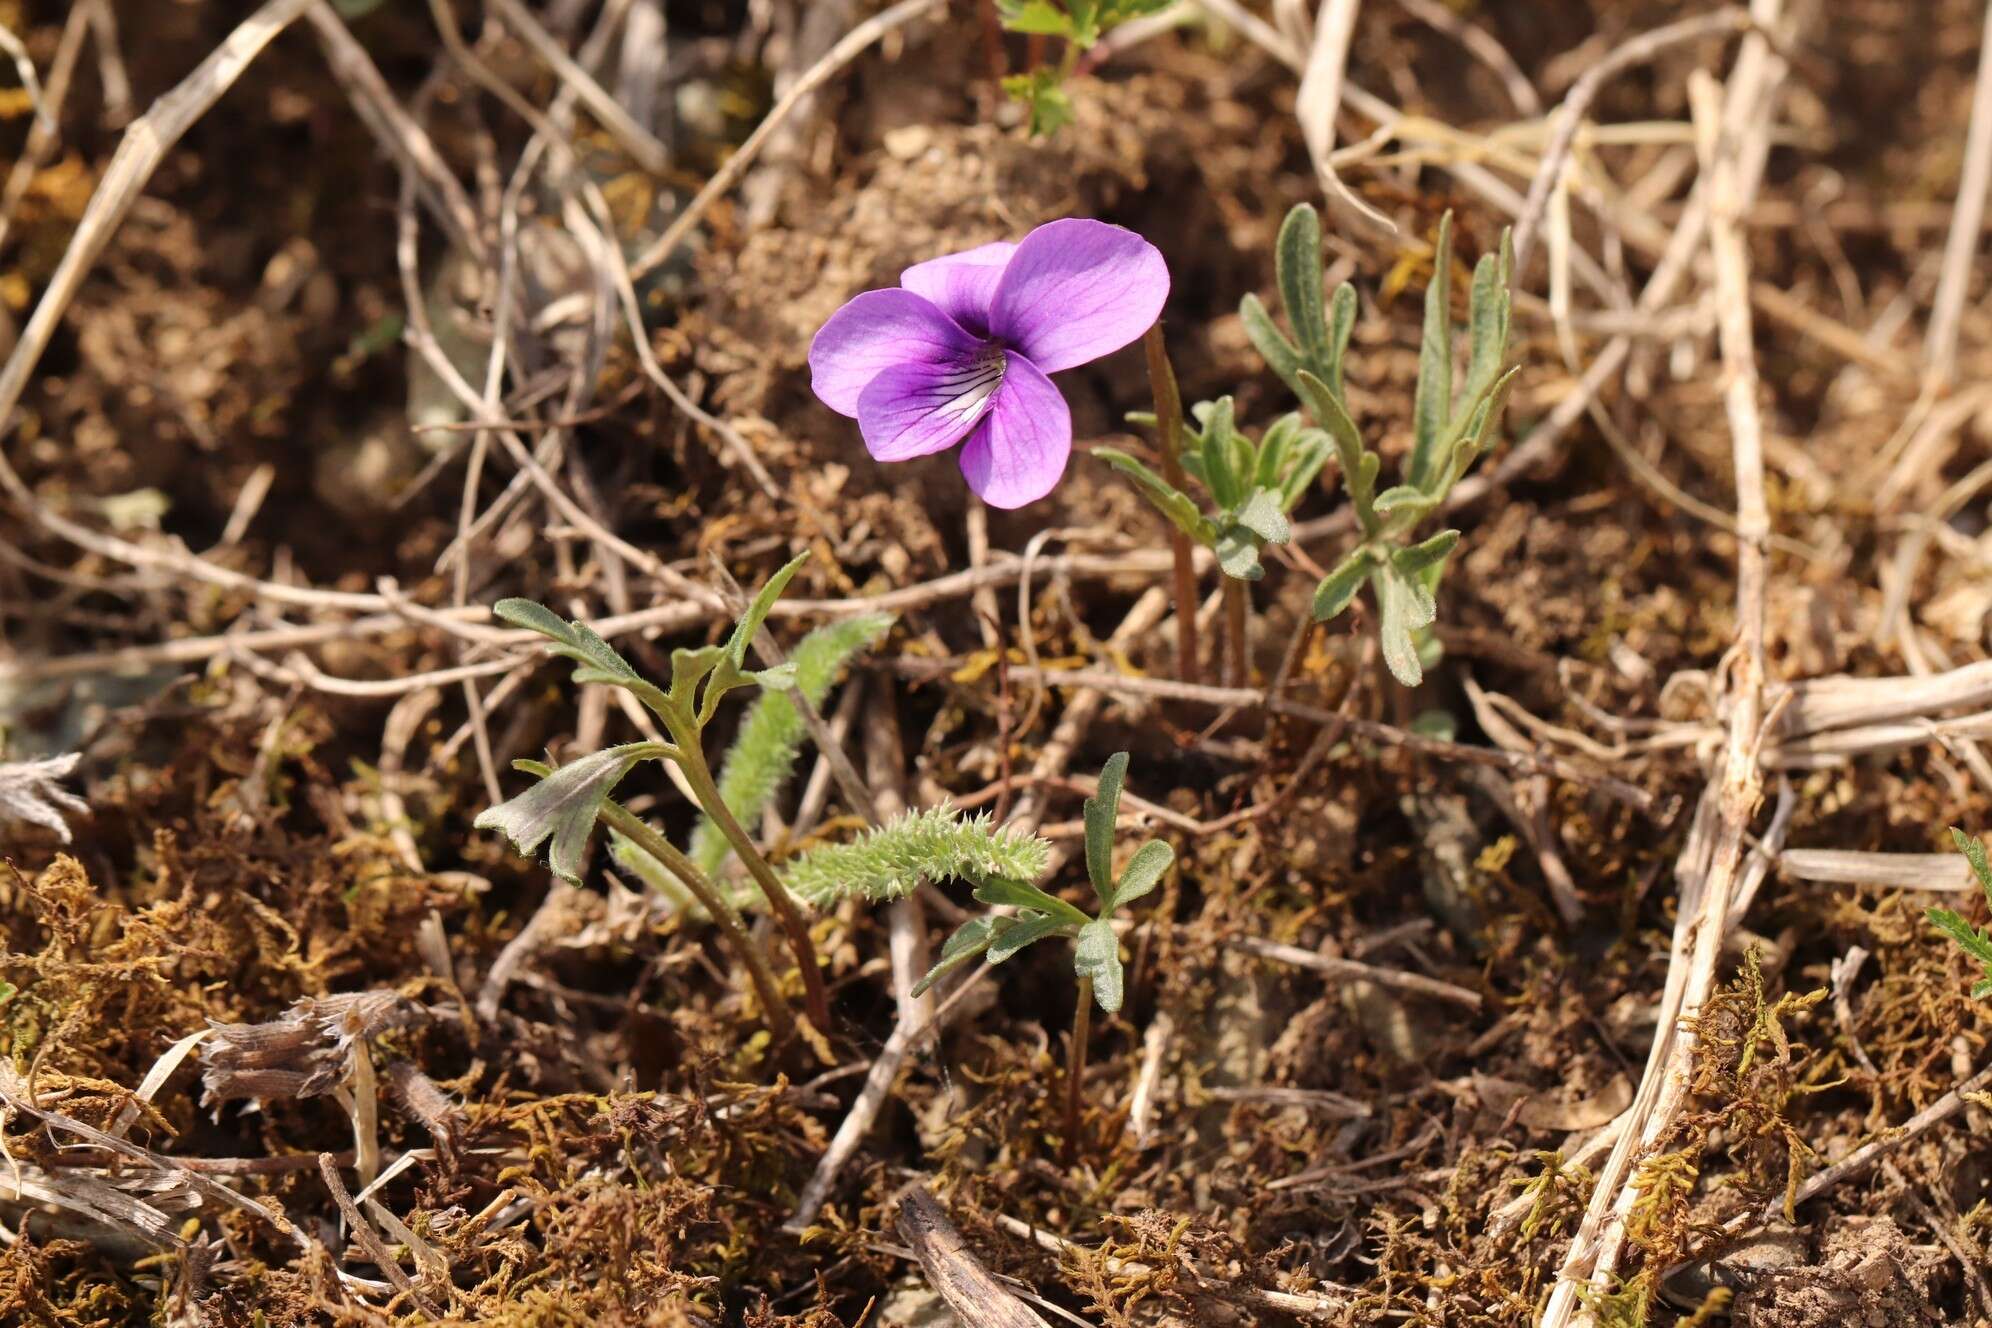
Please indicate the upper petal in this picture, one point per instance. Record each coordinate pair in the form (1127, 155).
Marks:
(914, 409)
(873, 331)
(1017, 454)
(963, 284)
(1076, 290)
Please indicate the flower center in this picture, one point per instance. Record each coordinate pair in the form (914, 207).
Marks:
(970, 385)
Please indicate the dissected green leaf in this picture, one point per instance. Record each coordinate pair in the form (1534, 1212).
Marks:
(758, 608)
(596, 660)
(1096, 955)
(1029, 929)
(1102, 811)
(969, 940)
(1007, 892)
(1973, 849)
(564, 804)
(1143, 873)
(1487, 319)
(1340, 586)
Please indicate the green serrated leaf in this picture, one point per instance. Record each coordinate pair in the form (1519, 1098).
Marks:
(1102, 811)
(1176, 506)
(1096, 955)
(1339, 587)
(595, 660)
(1973, 849)
(1263, 515)
(1976, 943)
(1143, 873)
(1027, 931)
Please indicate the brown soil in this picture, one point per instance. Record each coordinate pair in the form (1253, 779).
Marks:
(616, 1143)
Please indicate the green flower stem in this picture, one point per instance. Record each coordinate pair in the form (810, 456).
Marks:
(1075, 1068)
(781, 1018)
(1237, 611)
(1169, 430)
(816, 999)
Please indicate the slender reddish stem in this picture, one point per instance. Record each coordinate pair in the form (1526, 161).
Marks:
(1169, 425)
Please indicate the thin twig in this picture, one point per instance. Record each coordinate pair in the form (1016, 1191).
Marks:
(854, 44)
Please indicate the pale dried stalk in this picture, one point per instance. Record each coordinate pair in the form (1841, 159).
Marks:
(1947, 309)
(1319, 101)
(978, 1299)
(1570, 114)
(1947, 873)
(1737, 789)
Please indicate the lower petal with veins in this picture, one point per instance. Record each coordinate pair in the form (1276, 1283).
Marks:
(912, 410)
(1018, 452)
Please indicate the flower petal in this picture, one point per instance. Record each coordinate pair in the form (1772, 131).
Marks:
(914, 409)
(874, 331)
(1017, 454)
(962, 285)
(1076, 290)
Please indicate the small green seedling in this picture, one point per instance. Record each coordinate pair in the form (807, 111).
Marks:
(1096, 948)
(1975, 941)
(1252, 484)
(1080, 24)
(1450, 429)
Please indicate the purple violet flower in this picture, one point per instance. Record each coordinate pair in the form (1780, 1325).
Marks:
(960, 349)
